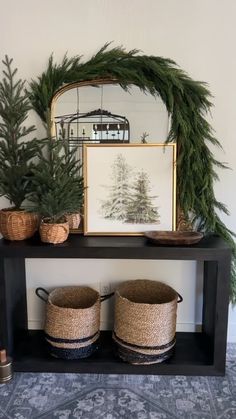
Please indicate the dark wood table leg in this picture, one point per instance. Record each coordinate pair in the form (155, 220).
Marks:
(215, 308)
(13, 303)
(221, 314)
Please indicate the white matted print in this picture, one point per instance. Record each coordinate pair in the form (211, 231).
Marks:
(129, 188)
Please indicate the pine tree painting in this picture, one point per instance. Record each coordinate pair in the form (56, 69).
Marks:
(129, 198)
(115, 206)
(140, 209)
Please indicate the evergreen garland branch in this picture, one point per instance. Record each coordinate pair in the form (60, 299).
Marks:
(187, 102)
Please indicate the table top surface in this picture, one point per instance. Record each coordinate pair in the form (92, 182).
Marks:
(109, 246)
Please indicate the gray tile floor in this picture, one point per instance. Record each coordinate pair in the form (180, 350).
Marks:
(92, 396)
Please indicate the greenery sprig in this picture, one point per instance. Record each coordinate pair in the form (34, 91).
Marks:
(187, 102)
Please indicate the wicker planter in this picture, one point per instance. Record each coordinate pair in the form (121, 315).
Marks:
(73, 220)
(18, 225)
(72, 325)
(145, 321)
(54, 233)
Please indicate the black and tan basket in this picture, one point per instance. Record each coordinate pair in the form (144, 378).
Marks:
(145, 321)
(72, 324)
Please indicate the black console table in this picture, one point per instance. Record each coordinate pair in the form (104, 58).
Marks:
(195, 354)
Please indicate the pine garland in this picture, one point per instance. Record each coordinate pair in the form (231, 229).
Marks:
(187, 102)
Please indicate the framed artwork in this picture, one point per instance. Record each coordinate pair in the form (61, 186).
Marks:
(129, 188)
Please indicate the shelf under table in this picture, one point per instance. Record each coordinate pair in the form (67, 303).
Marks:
(192, 357)
(195, 354)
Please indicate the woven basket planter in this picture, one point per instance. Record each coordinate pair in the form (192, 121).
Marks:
(18, 225)
(145, 321)
(54, 233)
(73, 220)
(72, 325)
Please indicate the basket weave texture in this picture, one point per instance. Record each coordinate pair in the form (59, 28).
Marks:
(54, 233)
(18, 225)
(73, 220)
(72, 325)
(145, 321)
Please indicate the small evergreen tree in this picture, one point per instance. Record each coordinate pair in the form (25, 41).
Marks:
(140, 209)
(16, 155)
(58, 186)
(119, 193)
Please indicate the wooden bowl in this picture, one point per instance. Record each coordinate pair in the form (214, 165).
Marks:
(174, 238)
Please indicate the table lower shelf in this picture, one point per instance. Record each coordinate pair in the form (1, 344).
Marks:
(192, 357)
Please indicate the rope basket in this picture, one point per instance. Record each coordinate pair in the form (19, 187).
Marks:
(18, 225)
(145, 321)
(72, 324)
(73, 220)
(54, 233)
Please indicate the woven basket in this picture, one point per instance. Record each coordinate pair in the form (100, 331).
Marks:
(54, 233)
(73, 220)
(18, 225)
(145, 321)
(72, 321)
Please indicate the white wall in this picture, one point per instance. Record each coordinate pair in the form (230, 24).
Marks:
(198, 35)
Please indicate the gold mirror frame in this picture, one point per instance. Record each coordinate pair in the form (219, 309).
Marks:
(74, 85)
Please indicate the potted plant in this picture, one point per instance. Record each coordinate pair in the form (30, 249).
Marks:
(16, 156)
(58, 190)
(73, 218)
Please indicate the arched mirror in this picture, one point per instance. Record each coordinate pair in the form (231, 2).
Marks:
(102, 111)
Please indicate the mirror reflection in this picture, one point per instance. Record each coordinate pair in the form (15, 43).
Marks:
(95, 126)
(101, 113)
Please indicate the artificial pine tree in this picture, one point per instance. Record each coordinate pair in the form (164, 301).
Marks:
(119, 193)
(140, 209)
(16, 152)
(58, 186)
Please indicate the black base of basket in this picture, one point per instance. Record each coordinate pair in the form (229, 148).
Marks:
(137, 358)
(78, 353)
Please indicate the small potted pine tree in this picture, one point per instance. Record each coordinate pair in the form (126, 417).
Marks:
(17, 156)
(58, 190)
(74, 218)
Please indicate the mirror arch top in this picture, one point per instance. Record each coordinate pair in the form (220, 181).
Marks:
(146, 114)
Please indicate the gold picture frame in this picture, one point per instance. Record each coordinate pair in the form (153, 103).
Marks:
(129, 188)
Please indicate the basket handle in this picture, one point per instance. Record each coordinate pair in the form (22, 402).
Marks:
(180, 298)
(38, 291)
(61, 227)
(14, 215)
(105, 297)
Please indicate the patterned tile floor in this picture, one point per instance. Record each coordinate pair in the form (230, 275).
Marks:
(65, 396)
